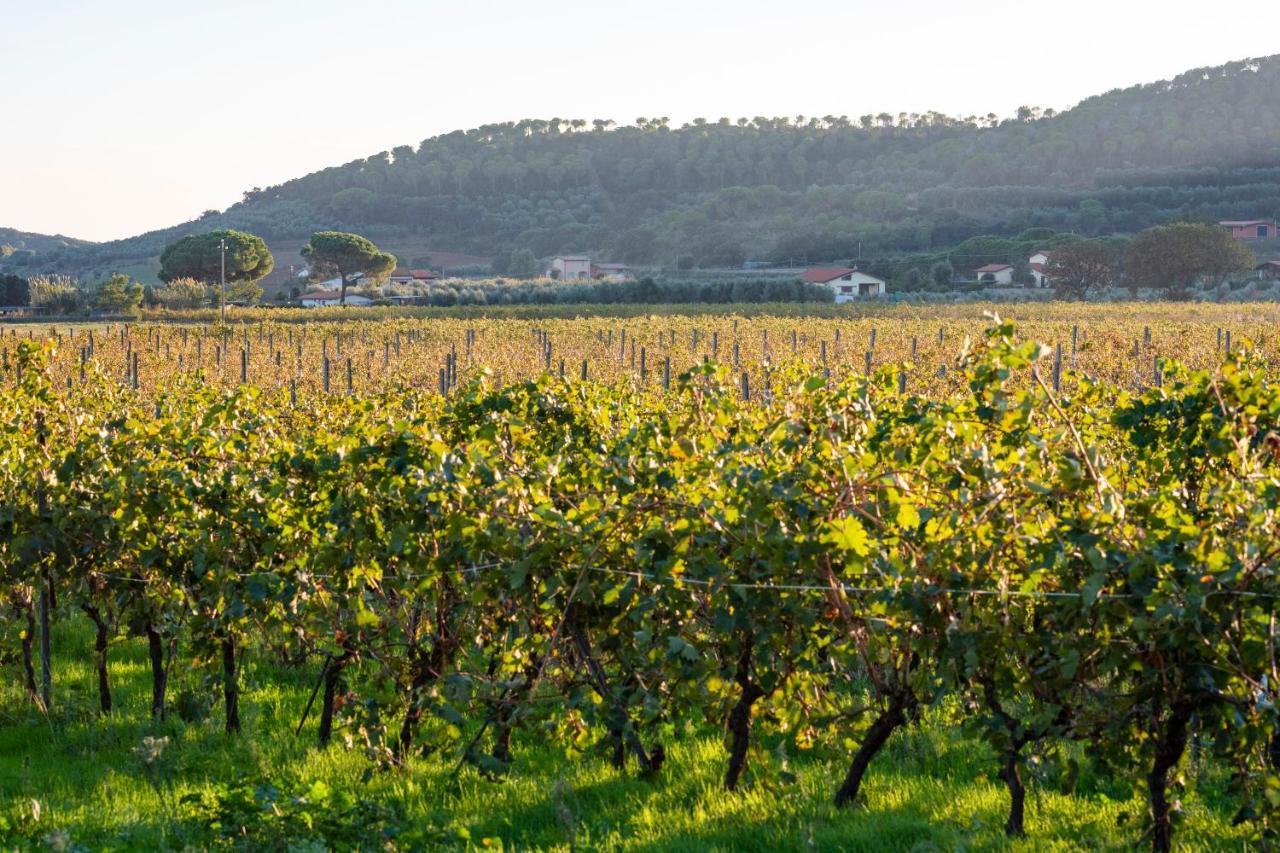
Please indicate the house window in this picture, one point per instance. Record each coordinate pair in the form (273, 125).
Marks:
(1262, 231)
(844, 288)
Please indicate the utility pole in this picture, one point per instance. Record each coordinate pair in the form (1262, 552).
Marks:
(222, 245)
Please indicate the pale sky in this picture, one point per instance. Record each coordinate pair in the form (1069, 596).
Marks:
(121, 116)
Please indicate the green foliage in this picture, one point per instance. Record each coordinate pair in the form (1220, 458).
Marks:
(1171, 259)
(14, 290)
(346, 256)
(57, 294)
(1079, 268)
(118, 295)
(182, 294)
(602, 567)
(200, 257)
(522, 264)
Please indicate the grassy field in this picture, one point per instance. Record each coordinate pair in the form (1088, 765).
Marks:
(74, 782)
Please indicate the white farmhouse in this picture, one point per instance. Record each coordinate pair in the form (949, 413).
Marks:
(848, 282)
(571, 267)
(1000, 273)
(1038, 264)
(327, 298)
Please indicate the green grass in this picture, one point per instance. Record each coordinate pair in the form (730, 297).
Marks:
(929, 790)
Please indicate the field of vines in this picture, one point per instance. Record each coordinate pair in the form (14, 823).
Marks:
(476, 551)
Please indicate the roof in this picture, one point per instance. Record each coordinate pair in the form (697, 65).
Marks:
(571, 258)
(418, 274)
(1268, 264)
(610, 266)
(822, 275)
(322, 294)
(1244, 223)
(993, 268)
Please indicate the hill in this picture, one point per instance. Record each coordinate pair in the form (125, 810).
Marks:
(13, 242)
(1203, 145)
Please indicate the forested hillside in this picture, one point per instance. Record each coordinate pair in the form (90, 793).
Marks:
(717, 192)
(14, 242)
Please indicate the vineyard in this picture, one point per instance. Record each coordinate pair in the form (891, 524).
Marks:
(471, 547)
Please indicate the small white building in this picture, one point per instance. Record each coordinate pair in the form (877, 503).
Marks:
(327, 298)
(571, 267)
(999, 273)
(1038, 264)
(848, 282)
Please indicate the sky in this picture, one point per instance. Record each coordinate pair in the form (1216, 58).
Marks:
(124, 116)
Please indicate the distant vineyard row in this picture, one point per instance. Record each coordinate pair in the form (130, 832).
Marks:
(1123, 345)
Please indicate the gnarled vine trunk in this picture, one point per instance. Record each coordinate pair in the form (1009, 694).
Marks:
(230, 685)
(28, 655)
(877, 736)
(504, 714)
(332, 673)
(428, 667)
(159, 673)
(620, 729)
(46, 641)
(1010, 772)
(101, 642)
(1170, 744)
(739, 724)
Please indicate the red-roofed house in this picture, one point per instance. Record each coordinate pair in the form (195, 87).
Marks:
(1251, 229)
(413, 276)
(997, 273)
(1268, 269)
(848, 282)
(611, 272)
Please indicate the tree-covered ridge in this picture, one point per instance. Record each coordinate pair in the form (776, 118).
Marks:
(1204, 145)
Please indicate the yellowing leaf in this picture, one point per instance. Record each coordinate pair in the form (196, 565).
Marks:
(848, 534)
